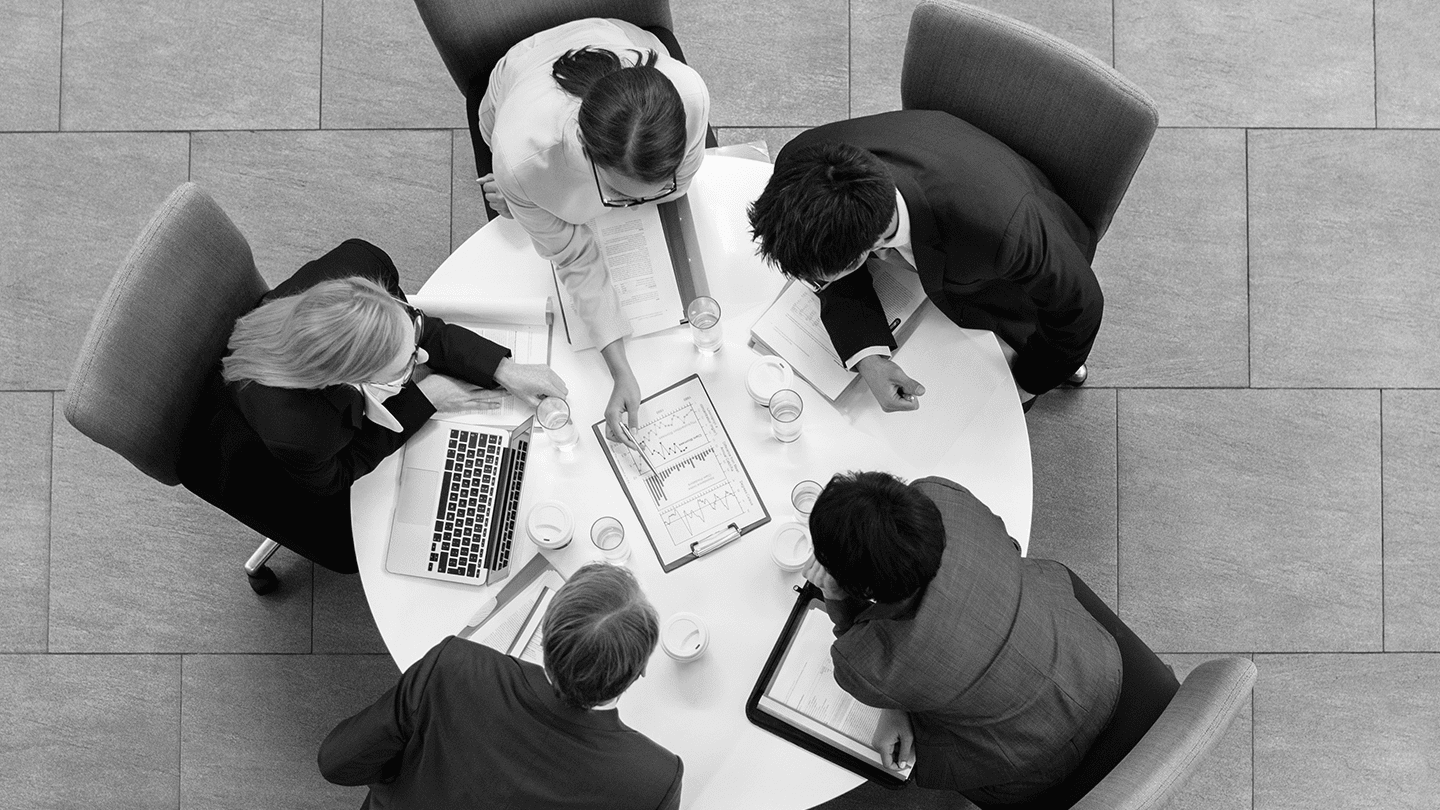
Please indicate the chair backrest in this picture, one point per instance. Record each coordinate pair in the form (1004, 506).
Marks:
(1179, 741)
(1083, 124)
(159, 331)
(472, 35)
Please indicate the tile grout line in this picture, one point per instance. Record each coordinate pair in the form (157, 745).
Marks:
(320, 95)
(451, 243)
(1382, 521)
(1375, 62)
(60, 83)
(1112, 52)
(50, 525)
(1249, 325)
(180, 739)
(1254, 698)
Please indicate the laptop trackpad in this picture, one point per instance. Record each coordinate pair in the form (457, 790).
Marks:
(416, 505)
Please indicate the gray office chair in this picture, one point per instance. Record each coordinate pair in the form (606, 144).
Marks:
(158, 332)
(472, 35)
(1160, 732)
(1082, 123)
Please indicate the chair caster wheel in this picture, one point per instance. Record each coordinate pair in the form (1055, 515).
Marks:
(263, 581)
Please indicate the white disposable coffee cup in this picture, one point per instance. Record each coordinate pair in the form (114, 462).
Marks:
(767, 375)
(684, 637)
(550, 524)
(791, 548)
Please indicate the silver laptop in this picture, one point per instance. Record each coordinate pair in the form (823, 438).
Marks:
(459, 492)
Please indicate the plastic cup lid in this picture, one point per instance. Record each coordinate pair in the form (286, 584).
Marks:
(766, 376)
(685, 635)
(792, 544)
(550, 523)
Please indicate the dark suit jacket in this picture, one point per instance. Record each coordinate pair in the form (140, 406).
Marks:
(1006, 678)
(468, 727)
(282, 460)
(995, 247)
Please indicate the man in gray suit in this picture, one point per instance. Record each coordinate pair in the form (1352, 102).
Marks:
(996, 680)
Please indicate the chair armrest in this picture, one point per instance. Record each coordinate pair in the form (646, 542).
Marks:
(1173, 748)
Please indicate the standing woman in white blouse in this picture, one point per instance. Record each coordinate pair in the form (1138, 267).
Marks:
(590, 115)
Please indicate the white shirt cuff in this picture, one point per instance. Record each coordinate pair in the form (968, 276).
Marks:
(882, 351)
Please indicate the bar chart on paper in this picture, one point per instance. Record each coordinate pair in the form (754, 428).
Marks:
(699, 484)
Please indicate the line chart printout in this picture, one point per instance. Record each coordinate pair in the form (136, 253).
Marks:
(698, 488)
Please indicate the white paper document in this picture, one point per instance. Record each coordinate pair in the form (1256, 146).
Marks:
(791, 326)
(522, 325)
(804, 693)
(699, 487)
(632, 240)
(514, 625)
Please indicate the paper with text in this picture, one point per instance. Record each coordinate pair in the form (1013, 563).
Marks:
(791, 327)
(502, 628)
(804, 693)
(632, 242)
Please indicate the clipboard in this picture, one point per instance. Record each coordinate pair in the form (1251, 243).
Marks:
(756, 712)
(719, 451)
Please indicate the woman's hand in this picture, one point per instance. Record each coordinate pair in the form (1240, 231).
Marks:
(894, 739)
(491, 187)
(624, 404)
(530, 381)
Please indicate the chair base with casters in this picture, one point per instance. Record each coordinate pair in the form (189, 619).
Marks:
(262, 579)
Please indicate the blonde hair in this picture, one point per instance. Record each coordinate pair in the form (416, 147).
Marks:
(339, 331)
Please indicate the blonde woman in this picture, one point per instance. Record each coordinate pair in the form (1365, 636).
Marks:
(327, 376)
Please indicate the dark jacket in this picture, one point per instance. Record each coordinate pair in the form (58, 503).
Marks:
(995, 247)
(468, 727)
(1006, 678)
(282, 459)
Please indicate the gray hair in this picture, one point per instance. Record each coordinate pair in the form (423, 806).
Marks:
(598, 635)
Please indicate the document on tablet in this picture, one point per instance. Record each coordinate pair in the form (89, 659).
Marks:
(803, 692)
(653, 268)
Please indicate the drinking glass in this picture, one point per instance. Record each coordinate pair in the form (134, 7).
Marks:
(608, 535)
(553, 414)
(785, 410)
(704, 316)
(803, 496)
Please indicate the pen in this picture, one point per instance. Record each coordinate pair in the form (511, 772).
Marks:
(624, 428)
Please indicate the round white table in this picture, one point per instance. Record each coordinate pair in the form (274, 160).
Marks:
(969, 429)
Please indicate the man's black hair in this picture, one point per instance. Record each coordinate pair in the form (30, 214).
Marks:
(824, 206)
(878, 537)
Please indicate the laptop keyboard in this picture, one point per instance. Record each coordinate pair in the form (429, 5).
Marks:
(462, 524)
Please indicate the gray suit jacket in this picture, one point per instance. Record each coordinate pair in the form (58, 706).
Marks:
(1006, 678)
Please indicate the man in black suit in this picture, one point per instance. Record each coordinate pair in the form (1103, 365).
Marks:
(996, 680)
(468, 727)
(995, 247)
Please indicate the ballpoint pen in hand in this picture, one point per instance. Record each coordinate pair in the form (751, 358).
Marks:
(631, 436)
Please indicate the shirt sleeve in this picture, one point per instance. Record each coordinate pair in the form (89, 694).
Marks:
(575, 252)
(852, 314)
(366, 748)
(460, 353)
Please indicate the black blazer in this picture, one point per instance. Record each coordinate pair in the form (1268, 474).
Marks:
(468, 727)
(282, 460)
(995, 247)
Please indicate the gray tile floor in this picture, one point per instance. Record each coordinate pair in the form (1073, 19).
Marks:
(1250, 471)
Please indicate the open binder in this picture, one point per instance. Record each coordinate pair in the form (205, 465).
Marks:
(796, 697)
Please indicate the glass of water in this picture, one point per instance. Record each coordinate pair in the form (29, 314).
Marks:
(553, 414)
(608, 535)
(803, 496)
(785, 410)
(704, 316)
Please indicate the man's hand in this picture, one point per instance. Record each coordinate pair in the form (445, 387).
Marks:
(529, 381)
(491, 187)
(892, 387)
(820, 578)
(895, 739)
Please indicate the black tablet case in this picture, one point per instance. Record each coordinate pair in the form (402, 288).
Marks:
(822, 748)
